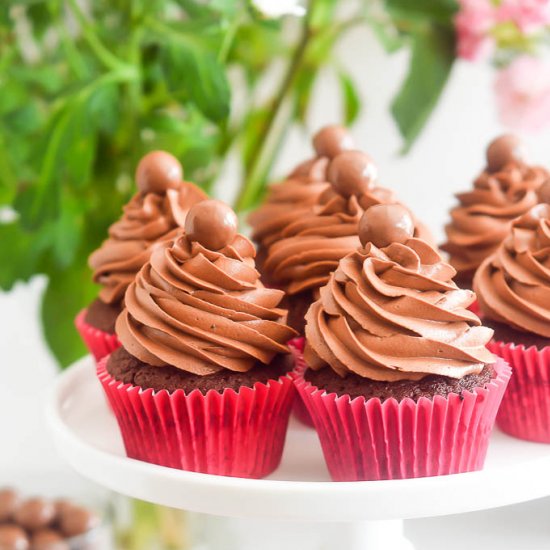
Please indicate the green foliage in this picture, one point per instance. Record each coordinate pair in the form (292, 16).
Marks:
(84, 94)
(432, 59)
(426, 26)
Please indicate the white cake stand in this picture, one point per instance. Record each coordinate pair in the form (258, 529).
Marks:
(87, 436)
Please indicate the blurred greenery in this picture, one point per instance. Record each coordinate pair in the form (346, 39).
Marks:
(88, 87)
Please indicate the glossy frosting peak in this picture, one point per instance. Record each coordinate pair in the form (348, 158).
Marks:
(395, 314)
(513, 285)
(147, 218)
(203, 311)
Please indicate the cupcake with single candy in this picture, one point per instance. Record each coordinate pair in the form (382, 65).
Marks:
(504, 190)
(153, 214)
(395, 373)
(290, 199)
(201, 381)
(308, 249)
(513, 288)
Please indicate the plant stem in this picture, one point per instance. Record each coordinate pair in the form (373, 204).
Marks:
(103, 54)
(254, 171)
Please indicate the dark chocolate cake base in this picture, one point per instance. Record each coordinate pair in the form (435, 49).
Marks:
(127, 369)
(508, 334)
(102, 316)
(297, 306)
(357, 386)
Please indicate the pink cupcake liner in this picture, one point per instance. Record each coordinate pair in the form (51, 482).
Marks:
(239, 434)
(374, 440)
(98, 342)
(300, 411)
(525, 409)
(474, 307)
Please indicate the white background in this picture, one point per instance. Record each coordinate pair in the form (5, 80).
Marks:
(444, 160)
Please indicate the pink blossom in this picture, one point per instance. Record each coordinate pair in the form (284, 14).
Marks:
(473, 23)
(528, 15)
(523, 94)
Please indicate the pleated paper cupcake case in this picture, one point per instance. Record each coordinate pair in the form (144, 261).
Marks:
(371, 440)
(525, 410)
(232, 433)
(98, 342)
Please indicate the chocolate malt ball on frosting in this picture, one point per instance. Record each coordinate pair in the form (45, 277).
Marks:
(513, 285)
(290, 199)
(504, 190)
(390, 322)
(154, 213)
(309, 248)
(197, 315)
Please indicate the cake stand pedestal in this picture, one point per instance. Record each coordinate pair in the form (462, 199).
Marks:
(86, 435)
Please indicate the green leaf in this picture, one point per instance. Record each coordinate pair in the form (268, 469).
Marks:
(387, 35)
(67, 160)
(68, 231)
(430, 66)
(192, 69)
(17, 259)
(68, 292)
(350, 98)
(441, 11)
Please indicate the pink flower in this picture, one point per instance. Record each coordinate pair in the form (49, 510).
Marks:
(523, 94)
(528, 15)
(473, 23)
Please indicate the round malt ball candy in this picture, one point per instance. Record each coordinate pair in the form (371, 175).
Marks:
(503, 150)
(35, 513)
(13, 537)
(352, 173)
(157, 172)
(543, 192)
(331, 140)
(384, 224)
(62, 504)
(212, 224)
(9, 500)
(77, 520)
(48, 539)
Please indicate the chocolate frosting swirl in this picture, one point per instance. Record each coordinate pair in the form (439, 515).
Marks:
(147, 218)
(513, 285)
(482, 219)
(395, 314)
(289, 201)
(203, 311)
(309, 249)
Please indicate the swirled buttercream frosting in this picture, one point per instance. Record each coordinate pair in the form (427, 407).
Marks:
(513, 286)
(154, 213)
(392, 312)
(289, 200)
(202, 309)
(503, 191)
(309, 248)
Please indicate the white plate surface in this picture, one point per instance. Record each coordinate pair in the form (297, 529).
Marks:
(87, 436)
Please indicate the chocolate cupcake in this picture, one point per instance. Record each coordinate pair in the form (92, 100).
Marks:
(396, 375)
(154, 213)
(513, 288)
(309, 248)
(201, 380)
(290, 199)
(504, 190)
